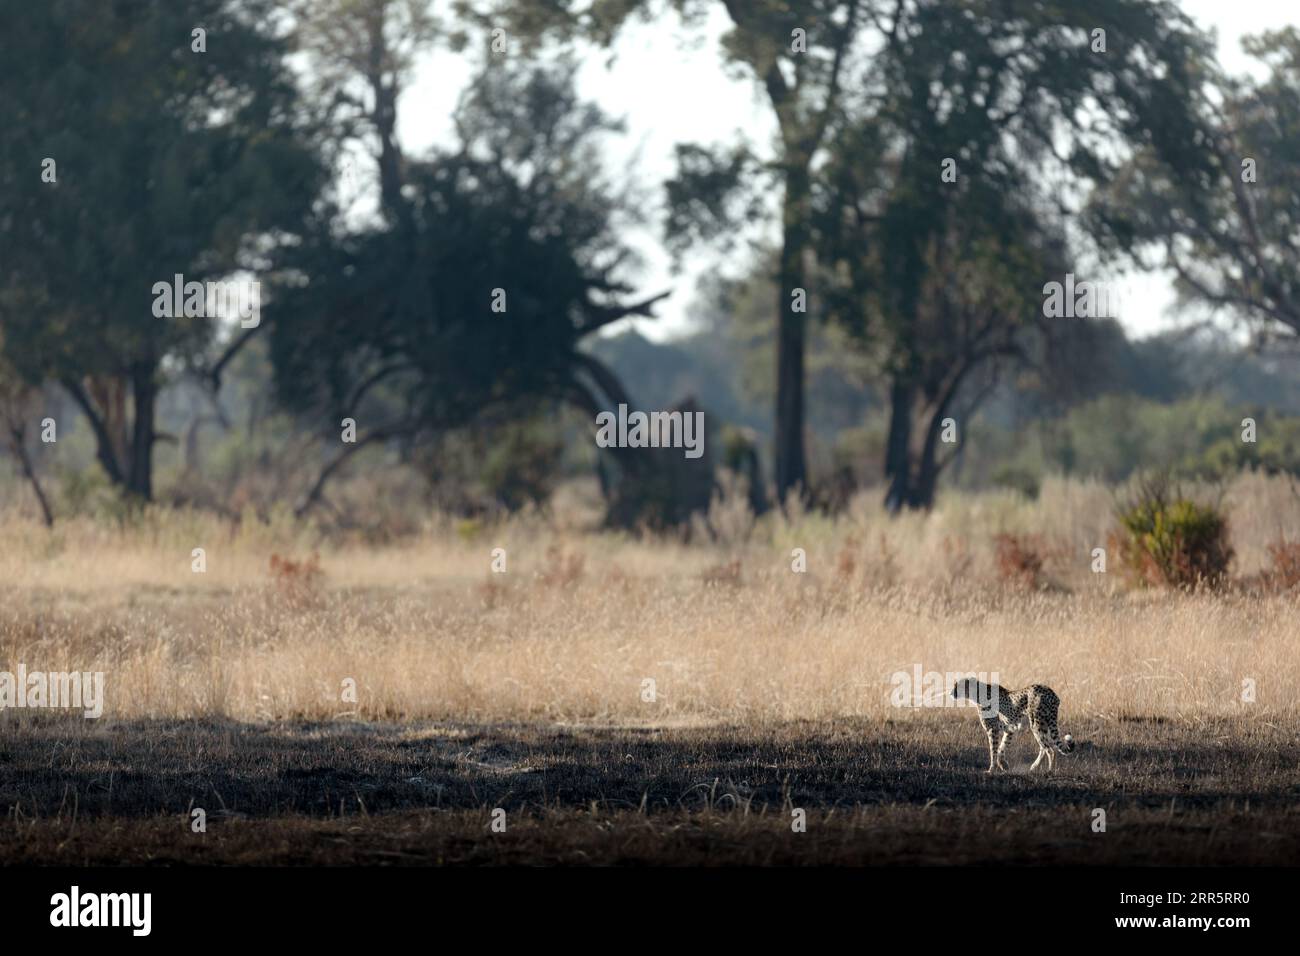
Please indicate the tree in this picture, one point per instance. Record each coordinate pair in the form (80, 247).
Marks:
(362, 54)
(136, 149)
(16, 414)
(798, 53)
(1229, 233)
(975, 107)
(961, 80)
(506, 258)
(945, 333)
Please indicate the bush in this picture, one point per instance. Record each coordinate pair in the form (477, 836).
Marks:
(522, 462)
(1018, 560)
(297, 582)
(563, 567)
(1285, 572)
(1173, 541)
(1018, 478)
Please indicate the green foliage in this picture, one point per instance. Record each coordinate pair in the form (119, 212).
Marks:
(859, 453)
(167, 161)
(204, 155)
(1018, 478)
(522, 464)
(84, 492)
(1174, 541)
(469, 529)
(1243, 184)
(1196, 438)
(506, 462)
(1276, 450)
(737, 449)
(712, 198)
(479, 298)
(947, 278)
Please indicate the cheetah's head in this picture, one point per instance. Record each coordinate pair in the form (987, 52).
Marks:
(963, 688)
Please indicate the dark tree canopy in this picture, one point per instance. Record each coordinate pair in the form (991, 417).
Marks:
(508, 259)
(1025, 112)
(167, 161)
(1230, 231)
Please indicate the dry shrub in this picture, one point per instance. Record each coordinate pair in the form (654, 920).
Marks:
(730, 516)
(887, 569)
(846, 573)
(491, 591)
(854, 563)
(563, 567)
(616, 577)
(297, 582)
(1019, 560)
(846, 561)
(957, 557)
(727, 573)
(1284, 575)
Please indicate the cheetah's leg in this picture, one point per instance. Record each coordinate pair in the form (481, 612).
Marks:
(1044, 738)
(990, 728)
(1002, 745)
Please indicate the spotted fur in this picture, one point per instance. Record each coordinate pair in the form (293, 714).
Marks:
(1003, 712)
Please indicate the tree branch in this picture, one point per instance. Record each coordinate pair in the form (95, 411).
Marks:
(379, 434)
(599, 316)
(103, 441)
(234, 348)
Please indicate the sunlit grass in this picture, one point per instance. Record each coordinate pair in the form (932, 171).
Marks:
(581, 620)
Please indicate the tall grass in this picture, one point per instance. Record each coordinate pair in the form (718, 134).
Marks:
(581, 619)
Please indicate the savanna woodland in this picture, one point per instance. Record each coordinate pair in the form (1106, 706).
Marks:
(303, 364)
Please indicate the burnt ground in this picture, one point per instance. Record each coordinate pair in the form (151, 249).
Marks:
(904, 792)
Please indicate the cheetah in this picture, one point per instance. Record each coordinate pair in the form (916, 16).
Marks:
(1003, 712)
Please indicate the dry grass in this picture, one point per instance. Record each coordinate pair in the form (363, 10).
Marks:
(772, 650)
(575, 639)
(738, 646)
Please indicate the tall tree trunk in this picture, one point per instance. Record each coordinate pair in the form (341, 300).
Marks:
(926, 474)
(125, 451)
(390, 159)
(912, 464)
(144, 392)
(791, 330)
(83, 393)
(898, 446)
(107, 397)
(18, 444)
(609, 394)
(384, 118)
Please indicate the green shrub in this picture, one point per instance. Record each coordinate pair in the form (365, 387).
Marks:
(1017, 478)
(1173, 541)
(522, 463)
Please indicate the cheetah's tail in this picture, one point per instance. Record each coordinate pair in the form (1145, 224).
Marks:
(1065, 744)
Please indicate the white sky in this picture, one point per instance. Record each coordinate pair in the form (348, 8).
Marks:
(669, 86)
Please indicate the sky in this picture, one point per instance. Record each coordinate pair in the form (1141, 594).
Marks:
(669, 86)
